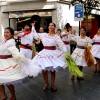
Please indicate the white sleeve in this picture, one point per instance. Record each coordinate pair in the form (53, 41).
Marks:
(73, 38)
(34, 33)
(90, 42)
(35, 36)
(94, 38)
(20, 34)
(60, 44)
(33, 29)
(14, 51)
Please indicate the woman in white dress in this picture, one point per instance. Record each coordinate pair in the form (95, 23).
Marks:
(65, 39)
(78, 53)
(50, 58)
(14, 67)
(96, 50)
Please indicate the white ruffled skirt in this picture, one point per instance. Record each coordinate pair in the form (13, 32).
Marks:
(96, 51)
(12, 72)
(50, 60)
(78, 55)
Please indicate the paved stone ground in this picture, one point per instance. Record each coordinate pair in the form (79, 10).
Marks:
(89, 89)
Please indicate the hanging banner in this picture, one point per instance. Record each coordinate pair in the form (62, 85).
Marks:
(78, 12)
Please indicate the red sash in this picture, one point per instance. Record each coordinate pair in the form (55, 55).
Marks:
(26, 33)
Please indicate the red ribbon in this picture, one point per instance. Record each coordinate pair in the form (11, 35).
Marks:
(26, 33)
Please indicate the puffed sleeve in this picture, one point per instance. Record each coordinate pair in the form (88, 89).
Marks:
(12, 49)
(60, 44)
(90, 41)
(73, 38)
(23, 62)
(26, 67)
(94, 38)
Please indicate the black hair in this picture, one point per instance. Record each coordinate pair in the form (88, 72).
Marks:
(35, 18)
(28, 24)
(59, 30)
(37, 24)
(11, 30)
(70, 27)
(83, 28)
(67, 25)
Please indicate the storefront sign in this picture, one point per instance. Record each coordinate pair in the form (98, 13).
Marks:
(28, 14)
(78, 12)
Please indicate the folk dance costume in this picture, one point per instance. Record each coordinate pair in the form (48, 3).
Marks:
(51, 58)
(66, 41)
(27, 41)
(78, 53)
(13, 66)
(96, 47)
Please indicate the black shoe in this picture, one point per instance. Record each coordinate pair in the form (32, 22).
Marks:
(30, 76)
(54, 89)
(80, 78)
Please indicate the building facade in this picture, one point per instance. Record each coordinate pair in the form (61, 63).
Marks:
(49, 10)
(12, 10)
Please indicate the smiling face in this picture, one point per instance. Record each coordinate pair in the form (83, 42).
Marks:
(7, 34)
(51, 27)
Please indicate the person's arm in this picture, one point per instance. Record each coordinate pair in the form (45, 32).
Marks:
(18, 32)
(90, 41)
(64, 34)
(38, 41)
(72, 38)
(94, 38)
(60, 44)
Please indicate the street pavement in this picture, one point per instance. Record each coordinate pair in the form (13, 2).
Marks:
(89, 89)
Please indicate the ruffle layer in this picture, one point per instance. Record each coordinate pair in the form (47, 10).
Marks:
(51, 60)
(78, 56)
(96, 51)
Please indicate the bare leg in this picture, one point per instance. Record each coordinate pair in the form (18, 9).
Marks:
(2, 90)
(95, 67)
(98, 65)
(12, 91)
(72, 77)
(53, 75)
(45, 76)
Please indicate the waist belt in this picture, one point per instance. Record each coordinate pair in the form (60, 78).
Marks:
(26, 46)
(5, 56)
(96, 43)
(50, 47)
(80, 47)
(66, 42)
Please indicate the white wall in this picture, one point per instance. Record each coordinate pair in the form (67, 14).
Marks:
(13, 24)
(4, 22)
(66, 15)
